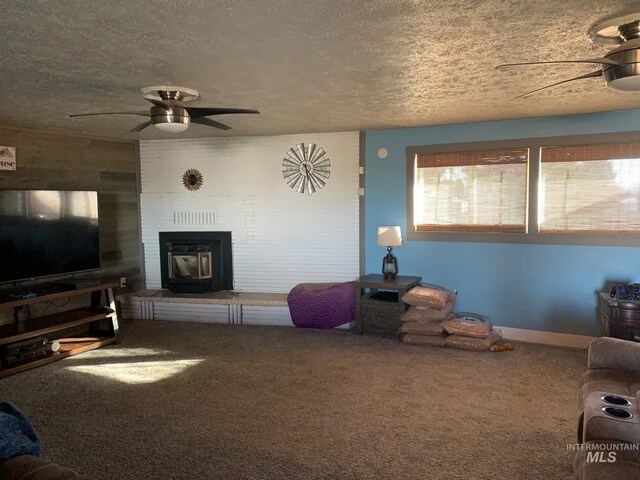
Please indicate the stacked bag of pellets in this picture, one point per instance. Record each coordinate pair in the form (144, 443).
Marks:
(429, 307)
(469, 331)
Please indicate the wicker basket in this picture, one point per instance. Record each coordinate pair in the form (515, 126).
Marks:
(381, 312)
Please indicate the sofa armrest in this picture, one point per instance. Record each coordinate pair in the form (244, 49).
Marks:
(614, 353)
(28, 467)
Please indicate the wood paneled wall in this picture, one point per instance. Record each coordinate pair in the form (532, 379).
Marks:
(50, 161)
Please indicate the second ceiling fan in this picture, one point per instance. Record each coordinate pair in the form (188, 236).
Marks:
(620, 67)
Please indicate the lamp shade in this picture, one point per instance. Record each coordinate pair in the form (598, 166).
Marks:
(389, 236)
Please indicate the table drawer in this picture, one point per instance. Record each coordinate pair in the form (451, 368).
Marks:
(626, 331)
(629, 315)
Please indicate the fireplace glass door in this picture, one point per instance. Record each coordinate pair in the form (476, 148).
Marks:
(189, 262)
(194, 266)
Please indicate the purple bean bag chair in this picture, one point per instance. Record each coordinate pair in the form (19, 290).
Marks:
(322, 305)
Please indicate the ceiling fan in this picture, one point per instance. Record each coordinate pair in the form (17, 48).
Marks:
(620, 67)
(168, 113)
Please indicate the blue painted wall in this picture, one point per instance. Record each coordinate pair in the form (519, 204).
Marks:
(538, 287)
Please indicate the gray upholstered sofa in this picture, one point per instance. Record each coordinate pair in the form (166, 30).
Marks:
(28, 467)
(609, 426)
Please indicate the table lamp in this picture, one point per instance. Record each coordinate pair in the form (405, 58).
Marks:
(389, 237)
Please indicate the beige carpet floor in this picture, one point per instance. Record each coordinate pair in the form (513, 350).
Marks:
(182, 400)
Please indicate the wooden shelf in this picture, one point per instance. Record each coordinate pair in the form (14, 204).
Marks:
(381, 296)
(19, 302)
(48, 324)
(68, 348)
(56, 323)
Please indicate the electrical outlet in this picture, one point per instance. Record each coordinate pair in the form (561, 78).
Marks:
(123, 282)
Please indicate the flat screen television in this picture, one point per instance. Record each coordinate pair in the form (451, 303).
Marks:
(47, 232)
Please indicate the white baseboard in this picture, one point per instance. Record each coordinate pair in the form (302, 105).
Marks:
(547, 338)
(132, 310)
(346, 326)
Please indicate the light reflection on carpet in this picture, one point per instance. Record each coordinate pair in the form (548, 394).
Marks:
(137, 372)
(119, 352)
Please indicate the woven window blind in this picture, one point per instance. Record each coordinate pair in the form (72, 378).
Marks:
(590, 189)
(472, 191)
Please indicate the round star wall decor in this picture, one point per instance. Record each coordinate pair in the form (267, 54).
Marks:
(192, 179)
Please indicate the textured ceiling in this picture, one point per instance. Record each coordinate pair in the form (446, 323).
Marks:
(308, 66)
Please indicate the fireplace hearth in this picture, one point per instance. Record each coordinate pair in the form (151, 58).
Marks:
(196, 262)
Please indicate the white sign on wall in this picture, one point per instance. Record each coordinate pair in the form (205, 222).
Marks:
(7, 158)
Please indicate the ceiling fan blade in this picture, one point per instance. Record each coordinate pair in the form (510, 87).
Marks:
(158, 103)
(603, 61)
(597, 73)
(197, 112)
(142, 126)
(210, 123)
(144, 114)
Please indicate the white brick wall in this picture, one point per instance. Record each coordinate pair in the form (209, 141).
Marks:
(279, 237)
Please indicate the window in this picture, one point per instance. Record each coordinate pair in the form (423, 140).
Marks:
(574, 190)
(471, 191)
(590, 189)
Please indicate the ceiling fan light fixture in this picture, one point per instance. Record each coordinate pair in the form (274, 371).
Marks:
(172, 120)
(626, 76)
(625, 84)
(172, 127)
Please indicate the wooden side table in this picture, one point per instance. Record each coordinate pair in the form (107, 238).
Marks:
(619, 319)
(379, 304)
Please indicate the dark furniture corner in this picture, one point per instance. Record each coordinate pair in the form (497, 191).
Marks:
(619, 319)
(378, 303)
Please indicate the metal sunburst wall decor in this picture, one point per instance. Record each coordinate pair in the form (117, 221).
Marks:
(192, 179)
(306, 168)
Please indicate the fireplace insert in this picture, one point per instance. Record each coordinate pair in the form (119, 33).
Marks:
(196, 262)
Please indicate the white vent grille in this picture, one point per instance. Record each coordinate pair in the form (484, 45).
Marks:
(195, 218)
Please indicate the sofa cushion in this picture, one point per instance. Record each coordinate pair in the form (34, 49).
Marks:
(609, 352)
(610, 381)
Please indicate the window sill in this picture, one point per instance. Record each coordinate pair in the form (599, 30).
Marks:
(528, 238)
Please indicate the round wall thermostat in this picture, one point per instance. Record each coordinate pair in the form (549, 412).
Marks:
(382, 152)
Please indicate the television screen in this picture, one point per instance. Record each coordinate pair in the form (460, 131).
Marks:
(47, 232)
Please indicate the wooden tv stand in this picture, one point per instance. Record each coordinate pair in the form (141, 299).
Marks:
(52, 326)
